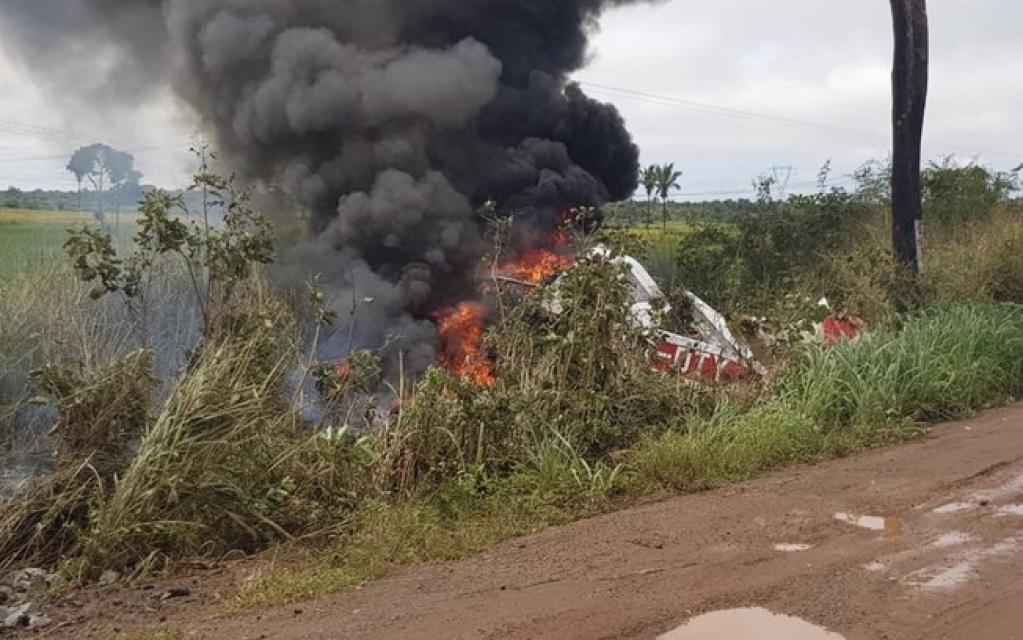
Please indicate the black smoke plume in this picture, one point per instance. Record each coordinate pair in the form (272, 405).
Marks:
(391, 121)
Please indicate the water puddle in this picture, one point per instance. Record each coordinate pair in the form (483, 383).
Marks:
(951, 539)
(749, 624)
(1009, 490)
(953, 507)
(964, 569)
(792, 548)
(890, 526)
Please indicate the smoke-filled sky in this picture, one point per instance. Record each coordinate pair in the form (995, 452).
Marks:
(749, 67)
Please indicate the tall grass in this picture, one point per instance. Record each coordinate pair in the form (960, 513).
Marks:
(979, 261)
(878, 390)
(201, 465)
(48, 317)
(942, 364)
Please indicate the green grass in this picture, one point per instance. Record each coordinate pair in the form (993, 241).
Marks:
(31, 240)
(943, 364)
(388, 536)
(874, 392)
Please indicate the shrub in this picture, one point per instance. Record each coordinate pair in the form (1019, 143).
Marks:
(773, 249)
(707, 262)
(100, 416)
(577, 375)
(941, 364)
(955, 195)
(983, 262)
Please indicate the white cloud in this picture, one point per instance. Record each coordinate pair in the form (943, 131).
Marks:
(820, 61)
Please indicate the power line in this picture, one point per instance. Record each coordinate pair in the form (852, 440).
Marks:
(749, 190)
(63, 136)
(728, 112)
(36, 131)
(772, 119)
(65, 156)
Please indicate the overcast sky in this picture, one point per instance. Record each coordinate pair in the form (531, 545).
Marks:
(724, 89)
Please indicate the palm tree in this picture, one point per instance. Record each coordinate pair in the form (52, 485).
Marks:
(649, 181)
(666, 181)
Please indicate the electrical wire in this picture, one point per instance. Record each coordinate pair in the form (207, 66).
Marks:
(772, 119)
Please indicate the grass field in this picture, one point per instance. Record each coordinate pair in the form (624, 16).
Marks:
(33, 237)
(30, 239)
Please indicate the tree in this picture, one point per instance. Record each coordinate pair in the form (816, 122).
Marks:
(649, 181)
(909, 91)
(106, 168)
(666, 182)
(81, 164)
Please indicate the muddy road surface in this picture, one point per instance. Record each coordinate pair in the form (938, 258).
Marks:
(919, 541)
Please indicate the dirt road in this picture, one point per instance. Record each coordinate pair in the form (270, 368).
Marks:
(940, 556)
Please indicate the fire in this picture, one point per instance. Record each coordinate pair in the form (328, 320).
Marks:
(540, 265)
(461, 334)
(537, 266)
(461, 328)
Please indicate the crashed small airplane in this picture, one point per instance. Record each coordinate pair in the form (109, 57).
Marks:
(709, 352)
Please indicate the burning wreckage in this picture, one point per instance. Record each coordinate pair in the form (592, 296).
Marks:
(390, 123)
(706, 351)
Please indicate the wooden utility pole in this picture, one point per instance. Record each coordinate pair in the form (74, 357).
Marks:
(909, 90)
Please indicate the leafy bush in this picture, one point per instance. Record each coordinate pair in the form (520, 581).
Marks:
(709, 264)
(771, 250)
(957, 195)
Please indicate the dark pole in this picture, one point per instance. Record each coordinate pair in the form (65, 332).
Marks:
(909, 89)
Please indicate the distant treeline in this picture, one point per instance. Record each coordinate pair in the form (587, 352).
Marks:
(635, 212)
(951, 191)
(125, 199)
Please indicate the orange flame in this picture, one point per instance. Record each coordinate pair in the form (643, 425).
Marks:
(537, 266)
(461, 334)
(540, 265)
(461, 328)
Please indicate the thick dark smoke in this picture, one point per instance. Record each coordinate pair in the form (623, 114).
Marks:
(391, 121)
